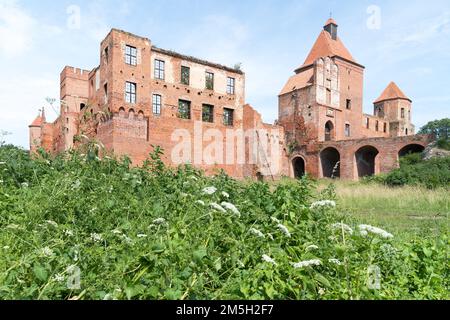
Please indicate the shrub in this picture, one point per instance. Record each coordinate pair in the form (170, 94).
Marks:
(433, 173)
(79, 227)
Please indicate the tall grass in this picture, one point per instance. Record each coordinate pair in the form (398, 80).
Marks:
(407, 208)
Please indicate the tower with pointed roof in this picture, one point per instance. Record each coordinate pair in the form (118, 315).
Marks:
(395, 107)
(323, 100)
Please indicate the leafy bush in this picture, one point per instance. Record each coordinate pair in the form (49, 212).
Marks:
(433, 173)
(161, 233)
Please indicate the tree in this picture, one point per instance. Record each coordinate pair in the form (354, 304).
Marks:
(440, 128)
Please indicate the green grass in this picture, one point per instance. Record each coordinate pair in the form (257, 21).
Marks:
(406, 209)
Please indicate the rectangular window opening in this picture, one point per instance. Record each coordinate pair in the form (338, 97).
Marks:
(209, 81)
(185, 75)
(347, 130)
(228, 117)
(184, 109)
(159, 69)
(130, 55)
(130, 92)
(348, 104)
(156, 104)
(208, 113)
(231, 82)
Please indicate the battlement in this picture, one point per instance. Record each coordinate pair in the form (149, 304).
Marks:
(77, 73)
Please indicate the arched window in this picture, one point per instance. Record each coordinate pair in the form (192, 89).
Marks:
(329, 131)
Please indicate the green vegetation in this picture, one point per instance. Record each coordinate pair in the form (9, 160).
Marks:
(440, 129)
(408, 211)
(161, 233)
(433, 173)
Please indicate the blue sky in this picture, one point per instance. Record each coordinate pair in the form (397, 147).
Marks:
(410, 44)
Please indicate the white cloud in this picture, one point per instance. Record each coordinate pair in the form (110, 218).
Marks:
(418, 39)
(20, 99)
(19, 30)
(16, 28)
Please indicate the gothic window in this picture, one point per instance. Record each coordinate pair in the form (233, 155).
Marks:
(329, 131)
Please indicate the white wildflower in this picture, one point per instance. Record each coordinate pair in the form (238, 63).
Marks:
(141, 235)
(58, 277)
(184, 195)
(12, 226)
(159, 221)
(117, 232)
(275, 220)
(127, 239)
(76, 184)
(6, 247)
(335, 261)
(218, 207)
(380, 232)
(96, 237)
(284, 229)
(52, 223)
(108, 297)
(363, 233)
(209, 190)
(231, 207)
(312, 247)
(257, 233)
(307, 263)
(47, 252)
(340, 226)
(68, 233)
(321, 291)
(200, 202)
(193, 178)
(2, 163)
(323, 204)
(225, 194)
(268, 259)
(270, 236)
(25, 185)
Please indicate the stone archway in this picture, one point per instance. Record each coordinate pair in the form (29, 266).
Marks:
(410, 148)
(299, 167)
(330, 160)
(366, 161)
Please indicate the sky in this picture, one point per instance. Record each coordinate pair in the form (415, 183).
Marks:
(403, 41)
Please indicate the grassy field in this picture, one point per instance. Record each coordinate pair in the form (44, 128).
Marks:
(405, 209)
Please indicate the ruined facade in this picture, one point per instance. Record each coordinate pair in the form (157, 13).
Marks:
(141, 96)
